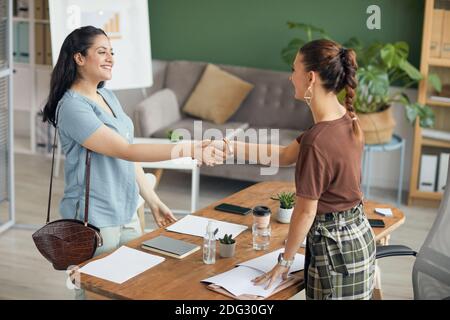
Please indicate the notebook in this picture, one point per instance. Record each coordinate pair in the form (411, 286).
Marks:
(170, 247)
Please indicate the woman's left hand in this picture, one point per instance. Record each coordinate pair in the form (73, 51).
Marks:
(162, 214)
(271, 276)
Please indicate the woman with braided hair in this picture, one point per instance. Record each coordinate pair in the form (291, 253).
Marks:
(329, 212)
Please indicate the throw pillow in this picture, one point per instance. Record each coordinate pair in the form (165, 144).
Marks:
(217, 95)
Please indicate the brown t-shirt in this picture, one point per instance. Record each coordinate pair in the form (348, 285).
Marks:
(328, 168)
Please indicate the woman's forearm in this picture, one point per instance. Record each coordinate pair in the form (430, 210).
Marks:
(265, 154)
(108, 142)
(156, 152)
(300, 224)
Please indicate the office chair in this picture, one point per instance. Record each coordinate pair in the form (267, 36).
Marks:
(431, 269)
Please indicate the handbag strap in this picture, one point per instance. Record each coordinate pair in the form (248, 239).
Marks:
(87, 179)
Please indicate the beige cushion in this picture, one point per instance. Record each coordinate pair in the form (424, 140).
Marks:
(217, 95)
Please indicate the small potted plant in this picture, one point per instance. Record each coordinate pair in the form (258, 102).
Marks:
(227, 246)
(174, 136)
(287, 202)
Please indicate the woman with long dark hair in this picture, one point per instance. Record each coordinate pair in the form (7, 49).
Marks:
(89, 117)
(329, 212)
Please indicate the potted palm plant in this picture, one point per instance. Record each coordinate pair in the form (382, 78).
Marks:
(287, 202)
(381, 65)
(227, 246)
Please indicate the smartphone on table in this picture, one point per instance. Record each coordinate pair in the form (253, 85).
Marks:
(232, 208)
(376, 223)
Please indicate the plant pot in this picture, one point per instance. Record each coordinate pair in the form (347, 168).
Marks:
(284, 215)
(227, 250)
(378, 127)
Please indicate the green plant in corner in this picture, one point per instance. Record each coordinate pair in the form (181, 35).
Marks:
(173, 136)
(287, 199)
(381, 65)
(227, 239)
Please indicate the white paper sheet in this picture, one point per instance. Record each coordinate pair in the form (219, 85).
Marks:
(266, 262)
(384, 211)
(121, 265)
(238, 281)
(196, 226)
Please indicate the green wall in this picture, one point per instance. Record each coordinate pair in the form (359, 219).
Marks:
(253, 32)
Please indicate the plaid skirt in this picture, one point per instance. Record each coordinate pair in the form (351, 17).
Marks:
(340, 256)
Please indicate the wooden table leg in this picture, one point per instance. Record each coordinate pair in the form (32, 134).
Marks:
(158, 174)
(141, 215)
(377, 295)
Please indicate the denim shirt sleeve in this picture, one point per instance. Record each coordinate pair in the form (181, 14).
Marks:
(77, 119)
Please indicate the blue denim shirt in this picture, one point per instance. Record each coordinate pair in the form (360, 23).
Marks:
(113, 187)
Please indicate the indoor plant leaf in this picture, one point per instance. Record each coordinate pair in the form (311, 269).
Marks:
(435, 81)
(410, 70)
(387, 53)
(411, 113)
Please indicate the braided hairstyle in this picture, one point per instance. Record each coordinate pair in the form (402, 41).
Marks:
(336, 67)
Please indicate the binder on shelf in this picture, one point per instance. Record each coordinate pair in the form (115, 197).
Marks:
(23, 54)
(443, 168)
(15, 11)
(39, 9)
(16, 42)
(48, 45)
(435, 134)
(436, 33)
(22, 8)
(46, 10)
(39, 43)
(445, 50)
(428, 167)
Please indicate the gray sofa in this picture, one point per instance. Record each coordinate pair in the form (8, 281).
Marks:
(270, 105)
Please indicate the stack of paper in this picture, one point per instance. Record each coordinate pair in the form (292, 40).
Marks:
(238, 281)
(387, 212)
(121, 265)
(266, 262)
(196, 226)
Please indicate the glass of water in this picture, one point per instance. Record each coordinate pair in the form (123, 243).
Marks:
(261, 236)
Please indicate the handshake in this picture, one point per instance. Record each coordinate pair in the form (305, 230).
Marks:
(211, 152)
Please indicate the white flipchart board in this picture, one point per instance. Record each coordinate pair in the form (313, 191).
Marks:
(127, 25)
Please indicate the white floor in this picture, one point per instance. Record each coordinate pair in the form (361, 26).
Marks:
(24, 274)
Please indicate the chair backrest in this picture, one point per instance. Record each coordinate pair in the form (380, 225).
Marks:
(431, 271)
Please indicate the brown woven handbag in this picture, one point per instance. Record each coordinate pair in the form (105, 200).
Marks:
(68, 242)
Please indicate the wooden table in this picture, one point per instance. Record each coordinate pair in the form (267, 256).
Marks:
(180, 279)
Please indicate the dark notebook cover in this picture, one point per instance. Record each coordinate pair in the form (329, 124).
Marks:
(171, 247)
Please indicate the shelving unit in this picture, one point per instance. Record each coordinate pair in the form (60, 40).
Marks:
(31, 77)
(7, 187)
(441, 109)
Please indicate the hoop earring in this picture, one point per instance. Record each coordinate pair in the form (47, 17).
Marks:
(307, 97)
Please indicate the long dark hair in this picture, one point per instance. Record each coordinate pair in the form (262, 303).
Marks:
(65, 71)
(337, 67)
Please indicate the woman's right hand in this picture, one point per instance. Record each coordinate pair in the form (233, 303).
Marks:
(209, 152)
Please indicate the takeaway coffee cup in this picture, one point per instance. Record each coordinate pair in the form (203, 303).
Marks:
(261, 216)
